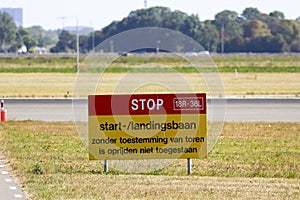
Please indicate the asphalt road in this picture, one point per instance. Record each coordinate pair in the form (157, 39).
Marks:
(247, 110)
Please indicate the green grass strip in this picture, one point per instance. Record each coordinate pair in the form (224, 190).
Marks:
(37, 70)
(292, 69)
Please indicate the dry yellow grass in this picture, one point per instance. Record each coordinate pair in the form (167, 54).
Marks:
(36, 84)
(167, 187)
(62, 85)
(250, 161)
(261, 83)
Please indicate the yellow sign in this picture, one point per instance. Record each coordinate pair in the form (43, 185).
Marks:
(160, 126)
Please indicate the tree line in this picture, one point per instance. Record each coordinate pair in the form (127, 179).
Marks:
(229, 31)
(12, 37)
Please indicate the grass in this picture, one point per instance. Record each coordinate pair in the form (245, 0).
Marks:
(261, 83)
(256, 63)
(36, 84)
(34, 60)
(250, 161)
(54, 76)
(38, 70)
(62, 85)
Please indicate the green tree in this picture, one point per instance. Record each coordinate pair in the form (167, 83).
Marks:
(251, 13)
(295, 46)
(83, 44)
(252, 32)
(275, 44)
(254, 14)
(37, 34)
(288, 29)
(262, 44)
(155, 17)
(236, 44)
(66, 43)
(29, 41)
(255, 28)
(94, 39)
(7, 30)
(51, 37)
(23, 37)
(277, 14)
(42, 37)
(208, 37)
(231, 22)
(229, 25)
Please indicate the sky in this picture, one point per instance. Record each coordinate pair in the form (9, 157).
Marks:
(55, 14)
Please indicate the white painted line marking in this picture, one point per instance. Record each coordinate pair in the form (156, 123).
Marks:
(1, 166)
(4, 172)
(18, 196)
(8, 180)
(12, 187)
(2, 160)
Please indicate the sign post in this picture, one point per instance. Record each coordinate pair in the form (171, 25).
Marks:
(189, 166)
(147, 126)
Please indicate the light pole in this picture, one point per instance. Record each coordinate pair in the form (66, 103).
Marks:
(111, 46)
(157, 46)
(63, 22)
(93, 38)
(77, 39)
(16, 40)
(222, 38)
(77, 46)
